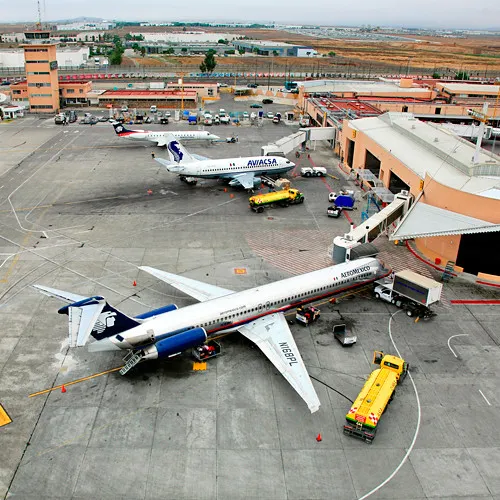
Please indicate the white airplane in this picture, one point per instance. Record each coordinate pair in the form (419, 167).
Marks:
(238, 171)
(257, 313)
(161, 137)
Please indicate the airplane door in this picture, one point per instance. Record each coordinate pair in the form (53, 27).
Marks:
(259, 307)
(268, 305)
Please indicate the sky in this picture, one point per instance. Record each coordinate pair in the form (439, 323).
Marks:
(450, 14)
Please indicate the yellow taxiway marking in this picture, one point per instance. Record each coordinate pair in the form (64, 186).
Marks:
(4, 417)
(67, 384)
(199, 367)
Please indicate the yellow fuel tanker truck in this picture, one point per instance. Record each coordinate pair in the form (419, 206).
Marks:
(378, 391)
(282, 198)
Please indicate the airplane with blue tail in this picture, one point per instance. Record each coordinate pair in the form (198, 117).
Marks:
(242, 172)
(257, 313)
(161, 137)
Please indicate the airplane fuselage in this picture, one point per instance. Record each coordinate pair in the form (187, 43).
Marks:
(228, 313)
(229, 167)
(154, 136)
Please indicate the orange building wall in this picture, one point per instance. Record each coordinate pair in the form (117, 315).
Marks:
(50, 82)
(429, 108)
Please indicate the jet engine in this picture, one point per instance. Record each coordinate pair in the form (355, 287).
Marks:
(175, 344)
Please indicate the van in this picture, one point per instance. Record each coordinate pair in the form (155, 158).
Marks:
(153, 109)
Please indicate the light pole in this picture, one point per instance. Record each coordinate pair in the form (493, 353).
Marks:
(408, 66)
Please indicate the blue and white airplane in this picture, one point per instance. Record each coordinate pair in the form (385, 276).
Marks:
(258, 314)
(238, 171)
(161, 137)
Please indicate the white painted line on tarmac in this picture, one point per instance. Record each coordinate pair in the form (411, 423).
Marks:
(453, 336)
(481, 392)
(419, 415)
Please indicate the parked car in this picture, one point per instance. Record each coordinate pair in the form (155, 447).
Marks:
(256, 105)
(226, 119)
(267, 101)
(246, 116)
(252, 85)
(168, 114)
(270, 115)
(216, 120)
(124, 109)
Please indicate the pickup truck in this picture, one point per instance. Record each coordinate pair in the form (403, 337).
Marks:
(313, 171)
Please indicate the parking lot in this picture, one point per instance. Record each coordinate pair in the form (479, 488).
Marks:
(82, 209)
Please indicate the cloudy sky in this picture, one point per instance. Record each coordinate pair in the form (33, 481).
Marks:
(416, 13)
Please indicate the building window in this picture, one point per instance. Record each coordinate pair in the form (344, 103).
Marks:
(41, 95)
(81, 91)
(35, 50)
(37, 62)
(38, 73)
(70, 91)
(40, 84)
(16, 91)
(42, 106)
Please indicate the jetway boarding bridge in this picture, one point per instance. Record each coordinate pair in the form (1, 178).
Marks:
(298, 139)
(344, 247)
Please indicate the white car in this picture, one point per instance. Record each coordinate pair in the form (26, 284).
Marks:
(382, 292)
(246, 116)
(225, 119)
(270, 114)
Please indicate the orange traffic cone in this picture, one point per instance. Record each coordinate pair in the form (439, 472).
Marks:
(63, 389)
(134, 283)
(231, 195)
(319, 438)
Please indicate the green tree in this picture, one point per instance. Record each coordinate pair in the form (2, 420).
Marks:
(436, 75)
(128, 37)
(241, 51)
(136, 47)
(462, 75)
(275, 53)
(170, 50)
(331, 54)
(209, 63)
(143, 51)
(184, 50)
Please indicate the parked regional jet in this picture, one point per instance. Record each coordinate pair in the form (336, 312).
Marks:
(239, 171)
(161, 137)
(257, 313)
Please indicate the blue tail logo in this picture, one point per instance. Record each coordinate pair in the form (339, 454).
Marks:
(120, 129)
(175, 149)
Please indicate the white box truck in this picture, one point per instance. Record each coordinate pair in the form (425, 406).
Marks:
(410, 291)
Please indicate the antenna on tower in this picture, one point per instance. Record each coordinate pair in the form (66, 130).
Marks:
(39, 23)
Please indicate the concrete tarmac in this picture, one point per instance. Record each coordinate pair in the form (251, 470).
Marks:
(75, 214)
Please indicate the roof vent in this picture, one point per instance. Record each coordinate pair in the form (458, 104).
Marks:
(413, 127)
(436, 139)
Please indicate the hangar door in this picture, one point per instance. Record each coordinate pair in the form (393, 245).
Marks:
(350, 152)
(396, 184)
(479, 253)
(372, 163)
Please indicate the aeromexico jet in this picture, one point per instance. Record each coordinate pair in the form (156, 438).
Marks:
(257, 313)
(238, 171)
(161, 137)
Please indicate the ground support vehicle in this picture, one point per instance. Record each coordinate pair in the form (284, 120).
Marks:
(277, 118)
(379, 390)
(343, 192)
(345, 202)
(411, 292)
(60, 119)
(307, 314)
(334, 211)
(341, 334)
(313, 171)
(209, 350)
(282, 198)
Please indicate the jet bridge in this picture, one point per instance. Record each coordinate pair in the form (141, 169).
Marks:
(368, 230)
(291, 142)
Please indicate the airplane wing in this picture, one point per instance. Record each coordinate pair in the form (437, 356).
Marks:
(162, 141)
(196, 289)
(246, 180)
(275, 340)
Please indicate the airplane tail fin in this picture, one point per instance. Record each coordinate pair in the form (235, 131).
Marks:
(177, 152)
(120, 129)
(89, 316)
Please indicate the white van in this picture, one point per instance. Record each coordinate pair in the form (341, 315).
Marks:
(153, 109)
